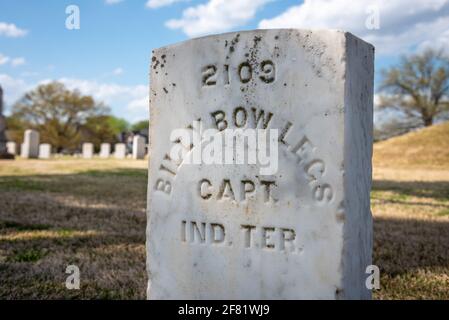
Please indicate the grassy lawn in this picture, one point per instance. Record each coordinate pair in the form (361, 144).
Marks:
(61, 212)
(411, 233)
(91, 213)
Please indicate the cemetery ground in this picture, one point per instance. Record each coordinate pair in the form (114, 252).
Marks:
(91, 213)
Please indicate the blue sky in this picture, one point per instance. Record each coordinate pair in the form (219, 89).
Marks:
(109, 55)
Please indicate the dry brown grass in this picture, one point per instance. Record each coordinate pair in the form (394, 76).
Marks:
(410, 204)
(411, 233)
(422, 149)
(92, 213)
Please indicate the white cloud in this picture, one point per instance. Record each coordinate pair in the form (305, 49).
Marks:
(154, 4)
(11, 30)
(139, 104)
(3, 59)
(404, 24)
(12, 88)
(27, 74)
(125, 101)
(13, 61)
(118, 71)
(129, 102)
(111, 2)
(216, 16)
(439, 41)
(18, 61)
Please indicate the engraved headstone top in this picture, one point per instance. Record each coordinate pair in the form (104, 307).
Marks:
(296, 225)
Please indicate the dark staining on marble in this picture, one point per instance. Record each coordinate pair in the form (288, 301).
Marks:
(234, 42)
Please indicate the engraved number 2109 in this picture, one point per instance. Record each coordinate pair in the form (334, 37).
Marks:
(265, 71)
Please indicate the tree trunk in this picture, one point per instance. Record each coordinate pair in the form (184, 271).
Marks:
(428, 121)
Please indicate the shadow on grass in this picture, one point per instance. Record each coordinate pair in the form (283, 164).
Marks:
(94, 219)
(403, 246)
(53, 182)
(435, 189)
(400, 245)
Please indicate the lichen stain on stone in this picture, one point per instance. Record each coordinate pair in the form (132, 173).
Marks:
(155, 62)
(234, 42)
(316, 49)
(340, 215)
(339, 293)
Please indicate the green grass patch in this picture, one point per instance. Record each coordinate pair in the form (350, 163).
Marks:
(393, 196)
(29, 255)
(65, 232)
(21, 184)
(399, 197)
(118, 173)
(442, 213)
(23, 226)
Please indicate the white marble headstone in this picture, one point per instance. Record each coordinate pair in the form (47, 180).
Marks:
(30, 145)
(44, 151)
(11, 147)
(226, 231)
(120, 151)
(105, 150)
(88, 150)
(138, 147)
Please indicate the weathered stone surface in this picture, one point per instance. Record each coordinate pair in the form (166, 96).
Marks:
(30, 145)
(88, 150)
(120, 151)
(11, 147)
(44, 151)
(105, 150)
(228, 232)
(138, 147)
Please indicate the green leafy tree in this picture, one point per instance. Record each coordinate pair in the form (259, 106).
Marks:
(103, 128)
(418, 87)
(119, 125)
(141, 125)
(57, 113)
(15, 128)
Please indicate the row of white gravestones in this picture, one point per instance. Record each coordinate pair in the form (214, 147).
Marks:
(226, 231)
(120, 149)
(31, 148)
